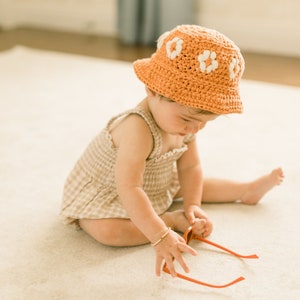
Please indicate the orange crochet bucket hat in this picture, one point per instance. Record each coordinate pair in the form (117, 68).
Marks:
(197, 67)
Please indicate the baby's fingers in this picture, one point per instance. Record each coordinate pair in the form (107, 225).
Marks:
(159, 262)
(170, 264)
(208, 229)
(183, 247)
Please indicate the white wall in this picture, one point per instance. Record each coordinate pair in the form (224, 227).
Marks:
(87, 16)
(271, 26)
(259, 25)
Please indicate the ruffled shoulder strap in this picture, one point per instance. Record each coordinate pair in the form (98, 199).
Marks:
(147, 116)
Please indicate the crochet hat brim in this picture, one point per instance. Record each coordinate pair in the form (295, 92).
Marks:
(198, 93)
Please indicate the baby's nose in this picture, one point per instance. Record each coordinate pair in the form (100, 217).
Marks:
(198, 126)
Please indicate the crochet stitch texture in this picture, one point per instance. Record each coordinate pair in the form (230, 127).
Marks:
(197, 67)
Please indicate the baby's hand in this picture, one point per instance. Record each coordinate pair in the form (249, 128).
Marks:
(199, 220)
(202, 227)
(171, 247)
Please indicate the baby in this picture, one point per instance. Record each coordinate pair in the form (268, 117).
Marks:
(121, 188)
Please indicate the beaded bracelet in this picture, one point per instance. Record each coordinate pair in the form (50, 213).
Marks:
(162, 237)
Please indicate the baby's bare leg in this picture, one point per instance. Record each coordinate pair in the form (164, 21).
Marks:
(113, 232)
(122, 232)
(219, 190)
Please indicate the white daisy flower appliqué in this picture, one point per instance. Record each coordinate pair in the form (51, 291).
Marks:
(161, 39)
(174, 47)
(208, 61)
(233, 68)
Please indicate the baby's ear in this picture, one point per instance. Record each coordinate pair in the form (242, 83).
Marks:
(150, 93)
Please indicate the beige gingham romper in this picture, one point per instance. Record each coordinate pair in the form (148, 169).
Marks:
(90, 190)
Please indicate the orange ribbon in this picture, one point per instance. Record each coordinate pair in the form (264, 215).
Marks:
(188, 236)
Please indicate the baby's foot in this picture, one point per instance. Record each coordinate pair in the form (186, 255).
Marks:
(178, 222)
(258, 188)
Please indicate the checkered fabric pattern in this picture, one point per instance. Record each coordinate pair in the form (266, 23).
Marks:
(90, 190)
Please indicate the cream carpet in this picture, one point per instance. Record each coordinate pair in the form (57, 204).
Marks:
(52, 104)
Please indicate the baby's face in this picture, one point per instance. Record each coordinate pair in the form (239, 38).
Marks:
(177, 119)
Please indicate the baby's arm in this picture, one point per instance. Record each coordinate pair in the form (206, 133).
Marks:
(191, 182)
(134, 146)
(134, 142)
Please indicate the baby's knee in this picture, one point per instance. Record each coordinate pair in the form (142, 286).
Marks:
(99, 230)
